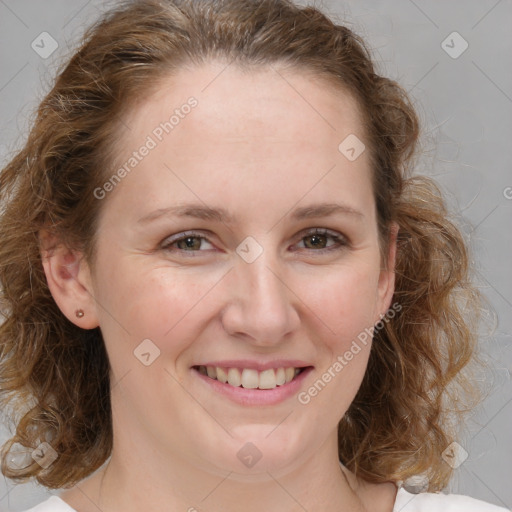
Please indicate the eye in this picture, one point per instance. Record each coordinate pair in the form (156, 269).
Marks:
(318, 240)
(186, 242)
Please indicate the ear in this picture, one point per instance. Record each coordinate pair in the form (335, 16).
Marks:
(69, 280)
(386, 286)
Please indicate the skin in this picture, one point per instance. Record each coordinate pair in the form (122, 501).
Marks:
(259, 144)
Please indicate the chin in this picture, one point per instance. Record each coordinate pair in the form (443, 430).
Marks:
(254, 451)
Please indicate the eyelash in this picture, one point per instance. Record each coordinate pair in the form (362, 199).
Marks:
(340, 241)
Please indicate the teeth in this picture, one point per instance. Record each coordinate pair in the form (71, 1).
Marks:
(234, 377)
(222, 376)
(268, 379)
(249, 378)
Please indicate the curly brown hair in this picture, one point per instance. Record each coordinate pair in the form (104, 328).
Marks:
(54, 376)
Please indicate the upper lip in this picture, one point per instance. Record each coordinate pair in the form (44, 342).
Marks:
(256, 365)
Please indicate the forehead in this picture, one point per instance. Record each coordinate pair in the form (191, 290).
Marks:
(238, 104)
(260, 132)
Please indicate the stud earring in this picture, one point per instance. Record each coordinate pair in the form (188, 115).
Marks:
(79, 313)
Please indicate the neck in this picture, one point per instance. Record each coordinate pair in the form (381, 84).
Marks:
(318, 484)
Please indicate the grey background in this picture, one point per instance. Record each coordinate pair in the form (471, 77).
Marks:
(465, 105)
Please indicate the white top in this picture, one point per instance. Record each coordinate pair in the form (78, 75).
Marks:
(405, 502)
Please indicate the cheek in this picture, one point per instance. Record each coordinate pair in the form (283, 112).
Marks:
(345, 304)
(160, 304)
(172, 306)
(345, 301)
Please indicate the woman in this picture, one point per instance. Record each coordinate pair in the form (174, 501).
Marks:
(219, 279)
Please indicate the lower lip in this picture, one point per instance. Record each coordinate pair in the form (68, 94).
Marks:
(244, 396)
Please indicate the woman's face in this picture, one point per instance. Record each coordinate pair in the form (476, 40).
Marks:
(208, 266)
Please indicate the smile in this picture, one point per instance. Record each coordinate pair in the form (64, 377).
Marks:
(249, 378)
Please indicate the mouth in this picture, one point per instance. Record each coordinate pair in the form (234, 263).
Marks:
(249, 378)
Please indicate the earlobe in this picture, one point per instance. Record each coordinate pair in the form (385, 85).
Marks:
(69, 281)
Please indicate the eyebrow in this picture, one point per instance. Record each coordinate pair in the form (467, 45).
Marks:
(200, 211)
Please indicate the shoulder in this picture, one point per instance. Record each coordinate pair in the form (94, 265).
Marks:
(427, 502)
(53, 504)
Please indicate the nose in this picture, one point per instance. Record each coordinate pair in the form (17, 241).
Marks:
(261, 306)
